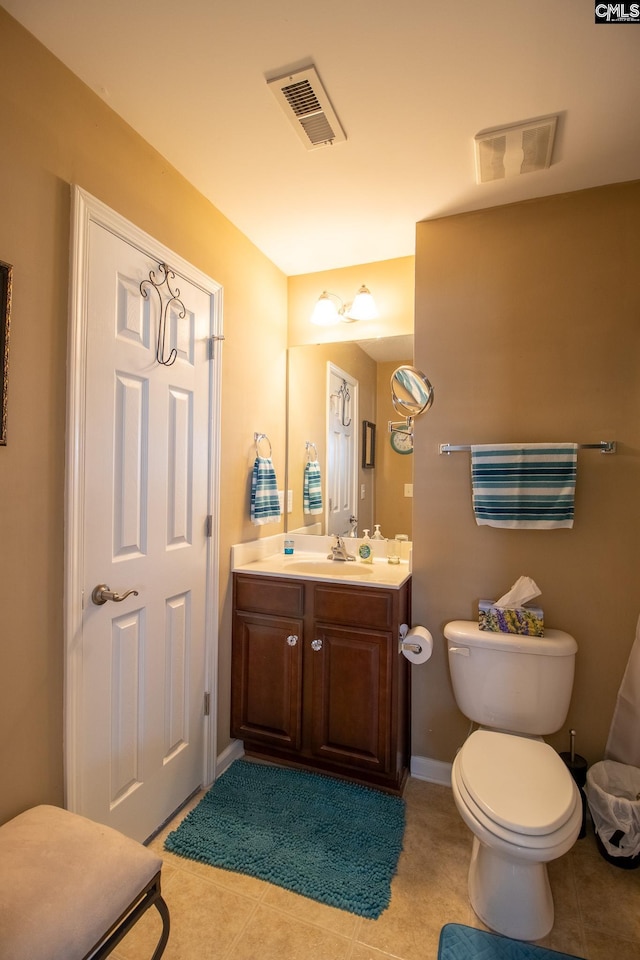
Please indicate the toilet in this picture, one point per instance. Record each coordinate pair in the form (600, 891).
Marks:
(510, 787)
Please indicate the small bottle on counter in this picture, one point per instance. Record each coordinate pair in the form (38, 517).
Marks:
(288, 547)
(376, 533)
(364, 550)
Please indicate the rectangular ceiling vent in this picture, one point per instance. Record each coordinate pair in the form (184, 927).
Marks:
(307, 108)
(516, 149)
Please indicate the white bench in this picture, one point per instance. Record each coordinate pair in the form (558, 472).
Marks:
(70, 889)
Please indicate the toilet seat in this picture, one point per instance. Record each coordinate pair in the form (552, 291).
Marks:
(515, 785)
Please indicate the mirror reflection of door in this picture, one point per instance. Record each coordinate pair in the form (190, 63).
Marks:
(342, 450)
(382, 492)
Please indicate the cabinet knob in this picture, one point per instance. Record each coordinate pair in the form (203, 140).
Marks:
(316, 644)
(292, 639)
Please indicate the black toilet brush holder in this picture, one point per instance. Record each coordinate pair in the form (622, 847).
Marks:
(577, 767)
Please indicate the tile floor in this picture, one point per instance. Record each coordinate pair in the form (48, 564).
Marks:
(227, 916)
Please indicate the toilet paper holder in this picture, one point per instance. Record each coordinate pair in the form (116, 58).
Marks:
(408, 644)
(415, 643)
(414, 647)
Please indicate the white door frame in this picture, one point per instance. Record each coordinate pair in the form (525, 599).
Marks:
(84, 210)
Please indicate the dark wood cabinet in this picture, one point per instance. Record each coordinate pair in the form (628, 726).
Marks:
(317, 677)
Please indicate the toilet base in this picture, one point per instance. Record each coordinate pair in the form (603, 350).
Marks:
(512, 897)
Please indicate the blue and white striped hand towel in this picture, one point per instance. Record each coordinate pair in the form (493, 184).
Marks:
(526, 486)
(312, 488)
(265, 506)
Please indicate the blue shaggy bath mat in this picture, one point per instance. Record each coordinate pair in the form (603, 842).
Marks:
(328, 840)
(458, 942)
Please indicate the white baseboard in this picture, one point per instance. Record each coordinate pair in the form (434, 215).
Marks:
(435, 771)
(234, 751)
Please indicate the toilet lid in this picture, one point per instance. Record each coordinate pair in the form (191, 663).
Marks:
(519, 783)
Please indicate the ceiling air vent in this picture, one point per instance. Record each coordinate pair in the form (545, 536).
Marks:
(307, 107)
(518, 148)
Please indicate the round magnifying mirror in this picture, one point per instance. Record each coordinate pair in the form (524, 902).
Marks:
(411, 392)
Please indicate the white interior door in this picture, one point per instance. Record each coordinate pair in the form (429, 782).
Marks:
(139, 668)
(342, 449)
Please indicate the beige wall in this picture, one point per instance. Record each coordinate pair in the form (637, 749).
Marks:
(390, 281)
(56, 132)
(528, 325)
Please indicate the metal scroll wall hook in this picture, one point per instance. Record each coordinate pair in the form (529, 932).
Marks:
(102, 593)
(343, 396)
(166, 275)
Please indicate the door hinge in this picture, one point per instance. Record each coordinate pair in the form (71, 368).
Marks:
(207, 703)
(208, 526)
(212, 344)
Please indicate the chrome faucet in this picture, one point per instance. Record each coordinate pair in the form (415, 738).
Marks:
(339, 551)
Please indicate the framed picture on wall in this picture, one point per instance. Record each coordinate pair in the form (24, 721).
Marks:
(5, 315)
(368, 444)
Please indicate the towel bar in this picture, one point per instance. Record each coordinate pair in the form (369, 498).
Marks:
(605, 446)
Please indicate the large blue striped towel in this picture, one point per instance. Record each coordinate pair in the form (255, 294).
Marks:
(265, 506)
(524, 485)
(312, 488)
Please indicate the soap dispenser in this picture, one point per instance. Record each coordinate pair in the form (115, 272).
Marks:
(376, 534)
(364, 550)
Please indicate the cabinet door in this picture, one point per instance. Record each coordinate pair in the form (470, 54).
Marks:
(351, 696)
(266, 695)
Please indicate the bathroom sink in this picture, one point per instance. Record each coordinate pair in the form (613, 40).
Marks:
(330, 568)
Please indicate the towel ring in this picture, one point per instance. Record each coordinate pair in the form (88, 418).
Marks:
(257, 438)
(311, 447)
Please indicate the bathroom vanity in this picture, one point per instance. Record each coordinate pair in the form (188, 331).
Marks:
(317, 677)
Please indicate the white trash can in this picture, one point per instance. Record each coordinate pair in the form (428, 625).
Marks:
(613, 794)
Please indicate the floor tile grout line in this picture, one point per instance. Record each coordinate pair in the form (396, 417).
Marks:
(241, 932)
(219, 884)
(281, 911)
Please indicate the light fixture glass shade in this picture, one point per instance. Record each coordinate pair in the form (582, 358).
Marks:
(325, 313)
(363, 306)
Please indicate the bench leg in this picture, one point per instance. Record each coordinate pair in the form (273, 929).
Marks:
(150, 896)
(163, 910)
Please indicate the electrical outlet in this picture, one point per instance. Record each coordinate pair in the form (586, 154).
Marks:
(362, 491)
(408, 489)
(289, 501)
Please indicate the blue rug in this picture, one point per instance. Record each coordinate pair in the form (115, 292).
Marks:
(326, 839)
(458, 942)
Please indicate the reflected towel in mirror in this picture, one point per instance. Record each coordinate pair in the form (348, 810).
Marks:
(312, 488)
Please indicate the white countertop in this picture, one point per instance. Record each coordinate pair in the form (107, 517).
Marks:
(259, 557)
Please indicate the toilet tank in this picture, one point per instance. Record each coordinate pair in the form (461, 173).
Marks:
(509, 682)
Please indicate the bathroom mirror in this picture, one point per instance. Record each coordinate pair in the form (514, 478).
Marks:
(382, 489)
(411, 392)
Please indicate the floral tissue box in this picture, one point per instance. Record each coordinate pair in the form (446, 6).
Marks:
(526, 621)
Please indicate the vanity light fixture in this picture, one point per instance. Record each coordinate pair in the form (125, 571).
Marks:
(326, 313)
